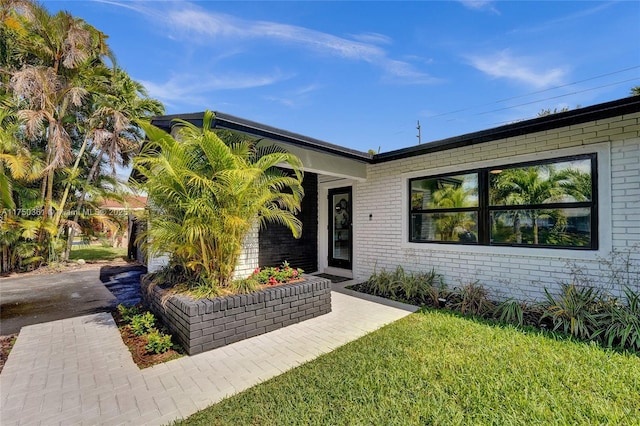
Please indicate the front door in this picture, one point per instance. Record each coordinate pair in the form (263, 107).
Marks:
(340, 229)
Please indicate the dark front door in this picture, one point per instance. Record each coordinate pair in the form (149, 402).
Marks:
(340, 229)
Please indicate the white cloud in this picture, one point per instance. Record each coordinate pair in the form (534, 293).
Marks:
(296, 97)
(372, 38)
(504, 65)
(203, 26)
(190, 88)
(201, 22)
(480, 5)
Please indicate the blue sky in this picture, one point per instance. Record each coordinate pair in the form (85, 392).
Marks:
(360, 74)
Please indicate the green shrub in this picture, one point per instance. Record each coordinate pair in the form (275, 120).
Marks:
(174, 275)
(621, 323)
(574, 311)
(127, 312)
(416, 288)
(158, 343)
(472, 299)
(203, 291)
(382, 283)
(244, 286)
(510, 311)
(142, 323)
(436, 292)
(427, 283)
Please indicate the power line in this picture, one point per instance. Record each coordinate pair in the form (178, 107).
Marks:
(554, 97)
(558, 96)
(538, 92)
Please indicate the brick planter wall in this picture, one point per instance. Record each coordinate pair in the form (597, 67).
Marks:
(202, 325)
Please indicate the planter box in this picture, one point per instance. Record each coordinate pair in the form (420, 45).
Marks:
(202, 325)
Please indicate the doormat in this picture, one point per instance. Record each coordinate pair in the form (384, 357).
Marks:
(333, 278)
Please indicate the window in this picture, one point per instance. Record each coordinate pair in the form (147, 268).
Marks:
(551, 203)
(445, 208)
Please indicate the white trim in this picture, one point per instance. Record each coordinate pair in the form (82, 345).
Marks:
(603, 151)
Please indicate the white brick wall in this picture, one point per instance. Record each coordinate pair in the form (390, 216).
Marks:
(157, 262)
(248, 260)
(382, 242)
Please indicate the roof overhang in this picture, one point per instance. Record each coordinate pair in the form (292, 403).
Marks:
(316, 155)
(326, 158)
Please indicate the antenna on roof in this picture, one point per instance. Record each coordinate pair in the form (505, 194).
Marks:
(419, 135)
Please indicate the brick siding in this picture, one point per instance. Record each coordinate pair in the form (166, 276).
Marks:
(523, 273)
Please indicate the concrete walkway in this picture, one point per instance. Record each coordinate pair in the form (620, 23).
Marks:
(78, 370)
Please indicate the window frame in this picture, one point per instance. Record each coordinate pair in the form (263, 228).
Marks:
(484, 209)
(475, 209)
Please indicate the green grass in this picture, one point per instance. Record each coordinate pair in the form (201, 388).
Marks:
(436, 368)
(96, 252)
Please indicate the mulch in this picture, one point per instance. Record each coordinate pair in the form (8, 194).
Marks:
(6, 343)
(136, 345)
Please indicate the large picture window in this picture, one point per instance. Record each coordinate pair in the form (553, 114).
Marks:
(551, 203)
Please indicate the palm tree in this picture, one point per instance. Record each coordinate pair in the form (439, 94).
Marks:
(207, 195)
(57, 51)
(537, 185)
(112, 132)
(451, 197)
(17, 169)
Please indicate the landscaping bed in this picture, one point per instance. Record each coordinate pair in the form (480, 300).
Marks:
(6, 344)
(138, 343)
(202, 325)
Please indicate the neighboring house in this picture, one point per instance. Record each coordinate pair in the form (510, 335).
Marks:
(129, 203)
(464, 205)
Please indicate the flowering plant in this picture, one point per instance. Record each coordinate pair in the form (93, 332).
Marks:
(273, 275)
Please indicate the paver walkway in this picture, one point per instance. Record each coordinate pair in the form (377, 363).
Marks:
(78, 370)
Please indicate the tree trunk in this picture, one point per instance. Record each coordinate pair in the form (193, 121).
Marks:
(80, 206)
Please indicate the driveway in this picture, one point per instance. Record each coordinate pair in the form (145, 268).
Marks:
(38, 298)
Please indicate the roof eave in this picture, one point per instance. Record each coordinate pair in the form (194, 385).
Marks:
(553, 121)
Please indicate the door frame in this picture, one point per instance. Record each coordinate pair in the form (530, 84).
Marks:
(331, 261)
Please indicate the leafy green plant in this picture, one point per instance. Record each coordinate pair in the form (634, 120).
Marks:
(574, 311)
(158, 343)
(127, 312)
(203, 291)
(380, 283)
(244, 286)
(418, 288)
(174, 275)
(209, 193)
(511, 311)
(621, 322)
(142, 323)
(436, 292)
(472, 299)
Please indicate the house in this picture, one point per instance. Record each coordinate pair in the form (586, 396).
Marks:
(463, 205)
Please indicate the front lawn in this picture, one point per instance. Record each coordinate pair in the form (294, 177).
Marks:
(436, 368)
(92, 253)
